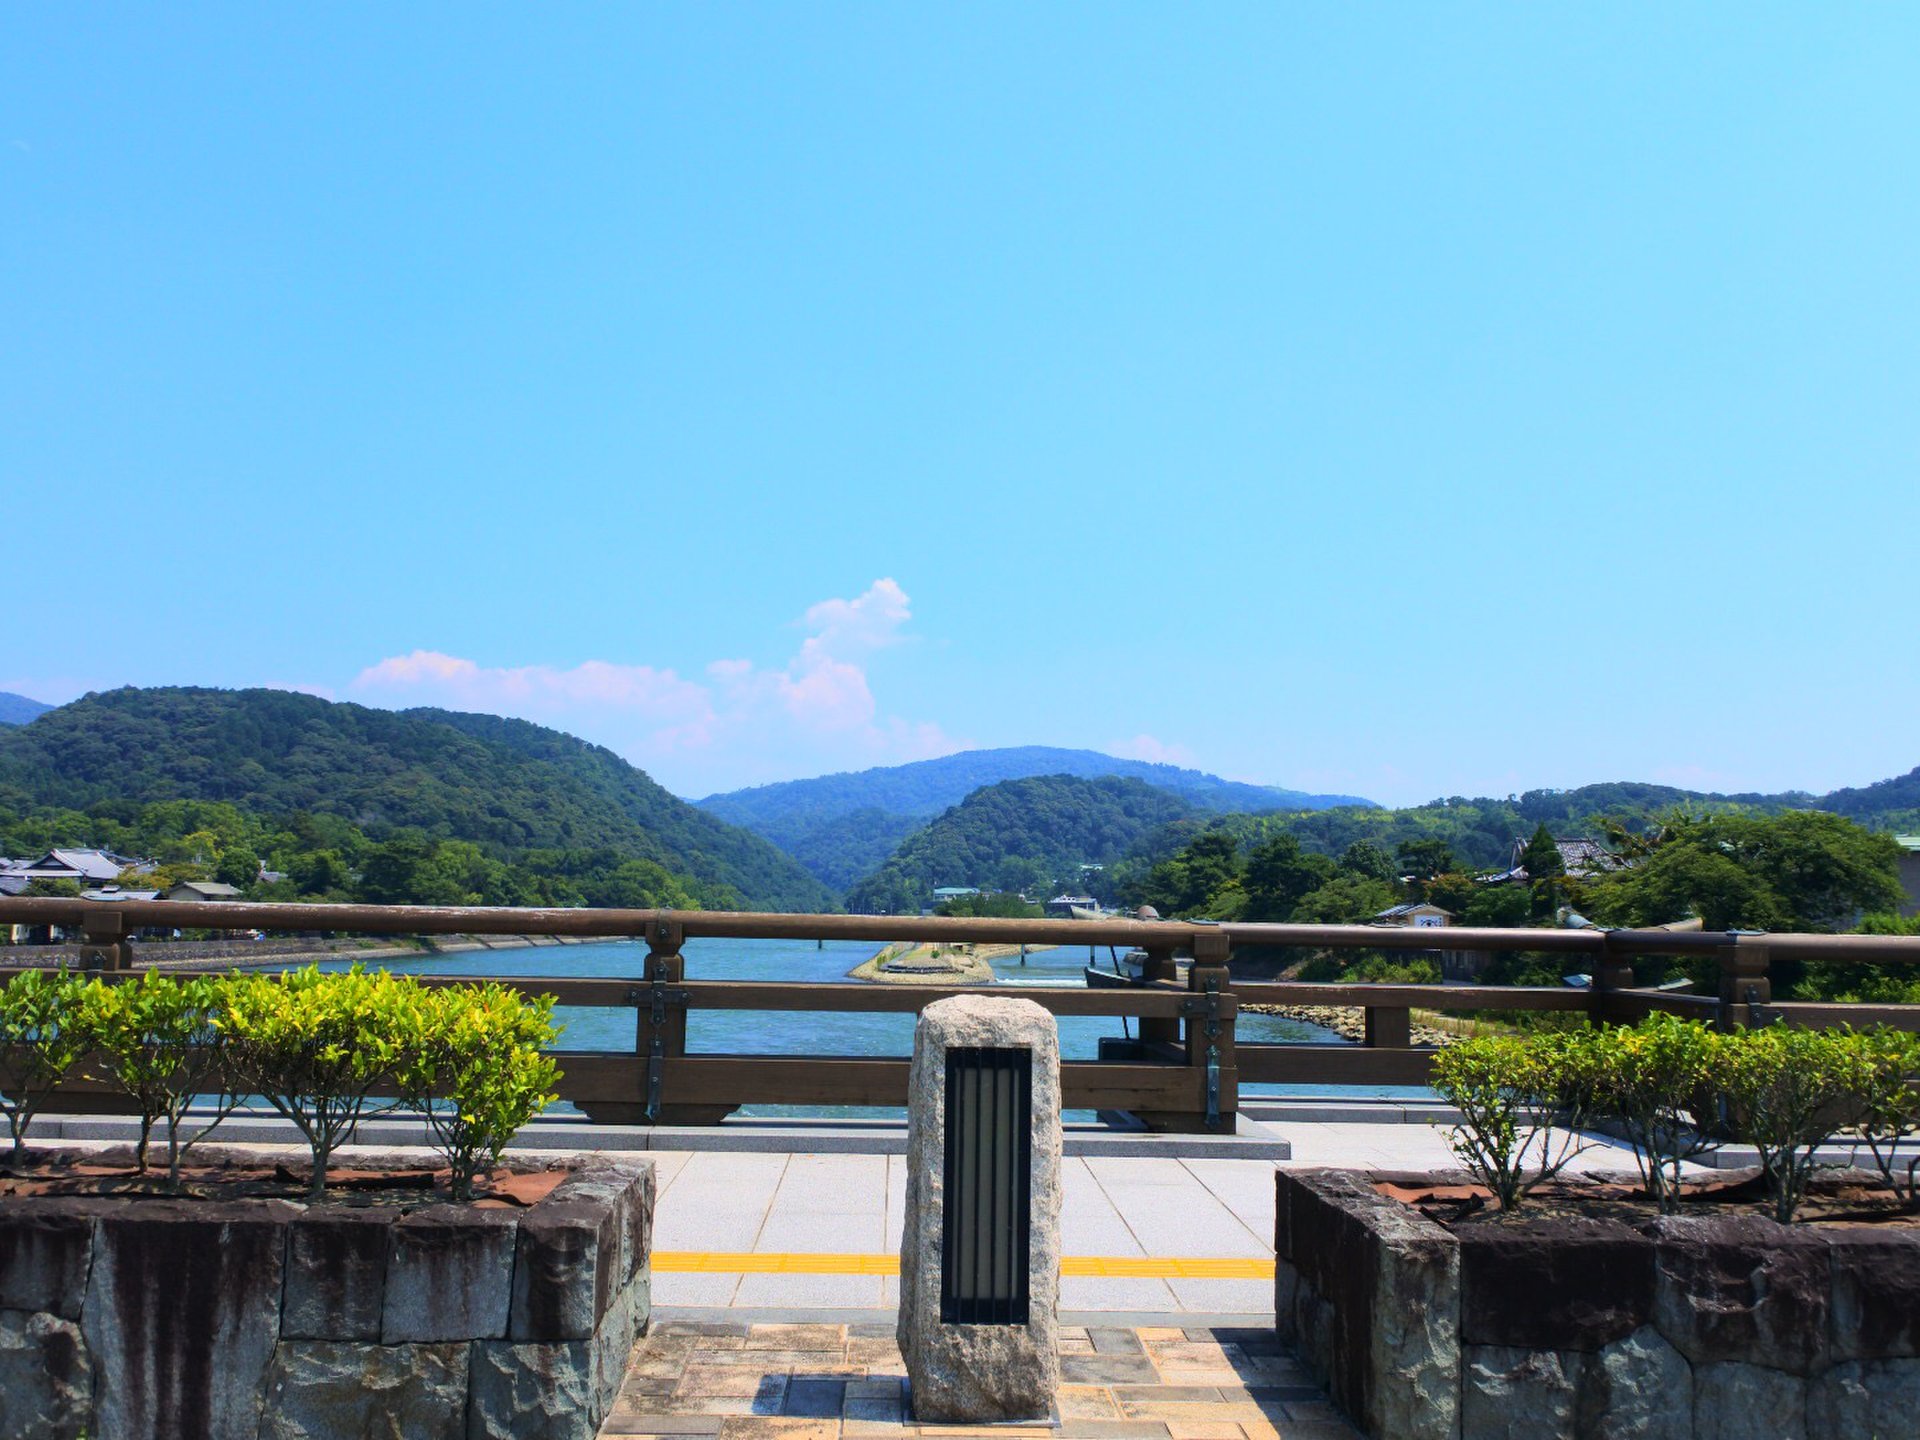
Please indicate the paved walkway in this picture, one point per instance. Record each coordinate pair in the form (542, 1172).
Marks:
(1164, 1237)
(827, 1381)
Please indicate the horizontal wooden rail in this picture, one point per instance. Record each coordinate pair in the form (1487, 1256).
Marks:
(1181, 1069)
(746, 925)
(1427, 997)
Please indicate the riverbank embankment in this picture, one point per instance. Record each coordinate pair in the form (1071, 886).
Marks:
(1349, 1022)
(281, 953)
(937, 964)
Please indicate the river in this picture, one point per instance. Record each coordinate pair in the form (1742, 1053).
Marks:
(749, 1032)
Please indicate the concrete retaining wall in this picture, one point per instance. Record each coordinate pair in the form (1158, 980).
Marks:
(1691, 1328)
(267, 1320)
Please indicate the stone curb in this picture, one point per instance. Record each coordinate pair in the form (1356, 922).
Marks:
(761, 1136)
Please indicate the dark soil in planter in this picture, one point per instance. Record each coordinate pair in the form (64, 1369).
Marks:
(1846, 1199)
(357, 1183)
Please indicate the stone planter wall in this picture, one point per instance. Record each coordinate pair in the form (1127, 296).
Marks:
(1692, 1329)
(267, 1320)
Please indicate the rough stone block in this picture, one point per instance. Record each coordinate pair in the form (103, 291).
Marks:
(556, 1390)
(1554, 1284)
(181, 1316)
(336, 1275)
(1333, 1254)
(45, 1245)
(1382, 1328)
(620, 1330)
(1876, 1293)
(1415, 1344)
(46, 1377)
(1517, 1394)
(1286, 1295)
(629, 1189)
(979, 1372)
(566, 1269)
(449, 1275)
(1865, 1400)
(1639, 1388)
(1732, 1401)
(1743, 1289)
(326, 1390)
(533, 1391)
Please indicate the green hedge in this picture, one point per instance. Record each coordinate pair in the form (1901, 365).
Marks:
(319, 1047)
(1674, 1089)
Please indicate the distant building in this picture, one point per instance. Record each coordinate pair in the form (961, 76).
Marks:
(954, 892)
(204, 890)
(83, 867)
(1579, 860)
(114, 892)
(1910, 871)
(1063, 906)
(1421, 915)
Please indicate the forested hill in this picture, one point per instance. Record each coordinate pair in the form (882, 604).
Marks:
(842, 826)
(1479, 831)
(18, 709)
(506, 785)
(1891, 803)
(1028, 834)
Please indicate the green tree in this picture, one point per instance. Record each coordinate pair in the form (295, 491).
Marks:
(393, 873)
(239, 867)
(1799, 870)
(1425, 858)
(1542, 856)
(1367, 859)
(1499, 906)
(1188, 883)
(1346, 899)
(1279, 873)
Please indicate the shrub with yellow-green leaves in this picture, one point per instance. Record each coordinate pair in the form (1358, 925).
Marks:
(1787, 1091)
(41, 1039)
(1522, 1103)
(1673, 1088)
(473, 1063)
(316, 1046)
(1889, 1108)
(155, 1037)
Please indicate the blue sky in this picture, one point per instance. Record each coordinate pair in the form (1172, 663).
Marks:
(1402, 401)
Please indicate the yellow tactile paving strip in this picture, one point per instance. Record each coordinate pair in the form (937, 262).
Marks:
(1130, 1267)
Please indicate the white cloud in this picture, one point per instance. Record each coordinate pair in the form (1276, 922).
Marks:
(1156, 752)
(741, 724)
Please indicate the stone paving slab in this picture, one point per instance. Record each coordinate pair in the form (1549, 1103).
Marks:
(757, 1380)
(734, 1203)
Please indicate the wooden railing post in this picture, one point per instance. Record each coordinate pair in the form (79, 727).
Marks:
(1745, 989)
(1159, 965)
(1210, 1017)
(1389, 1027)
(104, 946)
(1612, 974)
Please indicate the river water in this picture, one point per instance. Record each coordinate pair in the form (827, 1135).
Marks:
(749, 1032)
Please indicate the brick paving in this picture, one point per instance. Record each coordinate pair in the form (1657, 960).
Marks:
(747, 1381)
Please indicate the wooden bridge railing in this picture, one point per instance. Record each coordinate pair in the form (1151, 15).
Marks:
(1183, 1072)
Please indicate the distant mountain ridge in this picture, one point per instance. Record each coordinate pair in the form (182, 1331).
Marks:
(506, 785)
(18, 709)
(1020, 835)
(815, 820)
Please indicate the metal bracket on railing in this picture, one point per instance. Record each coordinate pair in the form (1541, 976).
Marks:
(658, 997)
(1756, 1008)
(1207, 1004)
